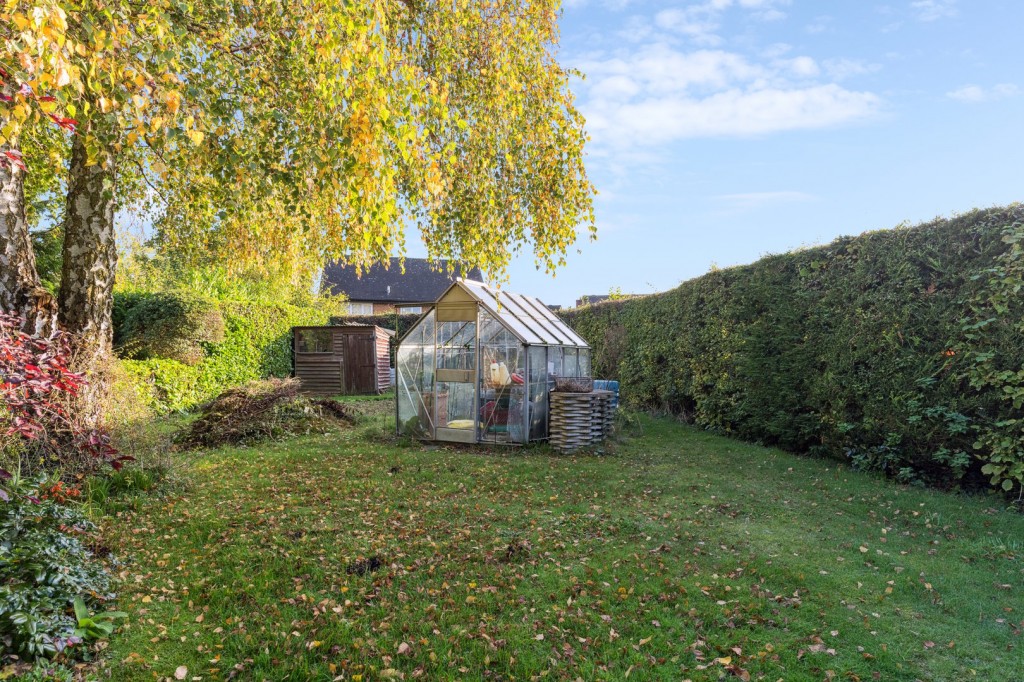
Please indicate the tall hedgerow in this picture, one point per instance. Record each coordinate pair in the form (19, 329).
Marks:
(899, 350)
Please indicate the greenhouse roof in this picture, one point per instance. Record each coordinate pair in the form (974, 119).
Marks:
(528, 318)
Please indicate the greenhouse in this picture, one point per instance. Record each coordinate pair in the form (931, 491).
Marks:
(478, 365)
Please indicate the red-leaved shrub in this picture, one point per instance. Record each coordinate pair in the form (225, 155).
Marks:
(38, 419)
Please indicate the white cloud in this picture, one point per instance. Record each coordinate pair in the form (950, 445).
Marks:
(841, 69)
(976, 93)
(933, 10)
(776, 50)
(699, 22)
(730, 113)
(819, 25)
(661, 94)
(748, 200)
(801, 67)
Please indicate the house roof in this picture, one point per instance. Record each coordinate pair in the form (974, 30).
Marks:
(422, 281)
(527, 317)
(591, 299)
(601, 298)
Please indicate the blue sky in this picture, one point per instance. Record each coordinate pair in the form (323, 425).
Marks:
(727, 129)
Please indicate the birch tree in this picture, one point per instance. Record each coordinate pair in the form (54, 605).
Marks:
(288, 131)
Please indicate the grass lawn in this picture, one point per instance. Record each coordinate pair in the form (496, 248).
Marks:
(679, 555)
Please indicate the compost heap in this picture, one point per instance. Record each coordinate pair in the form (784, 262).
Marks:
(261, 410)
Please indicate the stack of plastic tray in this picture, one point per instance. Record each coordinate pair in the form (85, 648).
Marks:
(579, 419)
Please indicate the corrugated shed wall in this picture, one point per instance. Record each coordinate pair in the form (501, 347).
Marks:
(328, 372)
(383, 360)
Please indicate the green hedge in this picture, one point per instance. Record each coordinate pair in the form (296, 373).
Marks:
(256, 343)
(176, 325)
(397, 323)
(898, 350)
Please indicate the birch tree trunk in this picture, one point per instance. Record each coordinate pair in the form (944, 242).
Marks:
(90, 254)
(21, 292)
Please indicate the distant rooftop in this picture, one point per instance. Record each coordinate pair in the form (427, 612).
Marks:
(422, 281)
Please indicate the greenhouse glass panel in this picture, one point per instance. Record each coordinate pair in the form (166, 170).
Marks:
(538, 390)
(502, 382)
(570, 364)
(414, 374)
(555, 361)
(585, 368)
(456, 405)
(456, 345)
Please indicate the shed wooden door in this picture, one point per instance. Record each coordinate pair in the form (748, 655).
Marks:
(360, 364)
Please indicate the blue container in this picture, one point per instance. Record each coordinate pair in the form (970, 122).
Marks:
(608, 385)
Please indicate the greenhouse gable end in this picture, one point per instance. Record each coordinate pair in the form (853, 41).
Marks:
(478, 365)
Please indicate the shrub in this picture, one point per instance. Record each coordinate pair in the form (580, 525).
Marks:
(173, 325)
(44, 566)
(899, 351)
(992, 349)
(38, 418)
(256, 344)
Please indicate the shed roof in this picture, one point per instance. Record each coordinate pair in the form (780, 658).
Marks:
(525, 316)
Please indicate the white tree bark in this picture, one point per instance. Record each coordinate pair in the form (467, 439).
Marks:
(21, 292)
(90, 252)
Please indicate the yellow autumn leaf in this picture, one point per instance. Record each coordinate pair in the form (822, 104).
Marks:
(173, 101)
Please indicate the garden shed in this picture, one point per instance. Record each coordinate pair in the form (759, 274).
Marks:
(342, 360)
(478, 364)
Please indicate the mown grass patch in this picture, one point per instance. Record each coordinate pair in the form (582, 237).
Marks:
(680, 555)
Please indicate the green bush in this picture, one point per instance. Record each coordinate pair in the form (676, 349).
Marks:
(172, 325)
(44, 567)
(256, 344)
(900, 351)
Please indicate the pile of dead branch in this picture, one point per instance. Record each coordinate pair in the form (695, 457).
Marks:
(260, 411)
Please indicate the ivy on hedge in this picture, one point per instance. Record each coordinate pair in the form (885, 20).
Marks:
(255, 343)
(901, 350)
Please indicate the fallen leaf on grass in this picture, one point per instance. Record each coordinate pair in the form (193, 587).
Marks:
(181, 673)
(821, 649)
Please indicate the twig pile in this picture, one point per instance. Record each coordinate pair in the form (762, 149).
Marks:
(259, 411)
